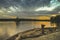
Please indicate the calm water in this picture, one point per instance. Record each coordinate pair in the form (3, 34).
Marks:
(10, 28)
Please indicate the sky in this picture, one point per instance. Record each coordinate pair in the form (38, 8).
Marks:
(29, 7)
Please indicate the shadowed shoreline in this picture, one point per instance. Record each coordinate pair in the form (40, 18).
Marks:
(33, 33)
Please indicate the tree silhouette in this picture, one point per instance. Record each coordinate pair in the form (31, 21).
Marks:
(56, 20)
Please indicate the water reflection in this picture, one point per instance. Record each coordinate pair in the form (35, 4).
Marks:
(7, 28)
(10, 28)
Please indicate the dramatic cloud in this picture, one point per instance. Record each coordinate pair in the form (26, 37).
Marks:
(29, 7)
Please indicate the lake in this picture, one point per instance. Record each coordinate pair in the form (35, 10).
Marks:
(10, 28)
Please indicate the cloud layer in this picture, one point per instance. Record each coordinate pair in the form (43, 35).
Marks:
(26, 7)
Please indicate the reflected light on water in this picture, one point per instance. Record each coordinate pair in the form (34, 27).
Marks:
(10, 28)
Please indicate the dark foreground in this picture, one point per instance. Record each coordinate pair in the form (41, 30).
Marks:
(36, 34)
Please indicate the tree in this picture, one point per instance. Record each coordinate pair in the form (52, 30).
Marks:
(56, 20)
